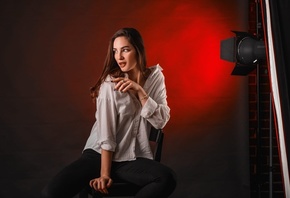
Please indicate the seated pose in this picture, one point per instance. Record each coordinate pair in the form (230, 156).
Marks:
(130, 99)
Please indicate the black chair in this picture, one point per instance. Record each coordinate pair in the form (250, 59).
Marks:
(121, 188)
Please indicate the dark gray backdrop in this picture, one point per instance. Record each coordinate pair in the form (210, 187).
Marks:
(51, 52)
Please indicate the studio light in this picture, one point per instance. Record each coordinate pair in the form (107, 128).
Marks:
(245, 50)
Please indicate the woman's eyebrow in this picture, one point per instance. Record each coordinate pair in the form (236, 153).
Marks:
(127, 46)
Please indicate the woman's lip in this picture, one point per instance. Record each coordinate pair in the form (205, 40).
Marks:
(122, 64)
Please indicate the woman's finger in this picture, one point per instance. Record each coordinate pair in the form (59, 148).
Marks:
(95, 185)
(109, 184)
(126, 86)
(119, 83)
(103, 185)
(123, 85)
(99, 187)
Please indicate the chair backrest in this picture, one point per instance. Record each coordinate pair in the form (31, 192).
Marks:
(157, 135)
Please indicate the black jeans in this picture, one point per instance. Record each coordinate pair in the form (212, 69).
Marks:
(157, 179)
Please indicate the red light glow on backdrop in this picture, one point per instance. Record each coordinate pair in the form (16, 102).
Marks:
(67, 47)
(185, 40)
(183, 37)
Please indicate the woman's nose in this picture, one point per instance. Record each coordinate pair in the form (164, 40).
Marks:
(120, 56)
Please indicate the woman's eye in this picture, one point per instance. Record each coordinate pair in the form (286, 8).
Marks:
(115, 51)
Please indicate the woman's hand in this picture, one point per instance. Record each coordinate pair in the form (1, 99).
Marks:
(101, 184)
(125, 84)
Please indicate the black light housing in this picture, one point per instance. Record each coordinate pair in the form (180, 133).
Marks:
(245, 50)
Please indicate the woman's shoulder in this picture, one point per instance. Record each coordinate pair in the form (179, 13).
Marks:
(155, 68)
(155, 71)
(107, 85)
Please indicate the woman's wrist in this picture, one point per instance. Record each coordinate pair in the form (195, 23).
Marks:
(105, 175)
(106, 162)
(144, 97)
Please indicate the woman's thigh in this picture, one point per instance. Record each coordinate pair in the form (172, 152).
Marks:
(155, 179)
(141, 171)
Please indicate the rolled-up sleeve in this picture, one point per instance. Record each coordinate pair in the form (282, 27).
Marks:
(156, 110)
(157, 115)
(108, 145)
(106, 115)
(149, 108)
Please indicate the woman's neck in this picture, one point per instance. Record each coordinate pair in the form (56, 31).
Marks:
(137, 77)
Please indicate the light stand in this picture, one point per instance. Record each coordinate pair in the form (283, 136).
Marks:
(271, 149)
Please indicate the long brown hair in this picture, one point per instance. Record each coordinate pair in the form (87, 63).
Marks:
(110, 65)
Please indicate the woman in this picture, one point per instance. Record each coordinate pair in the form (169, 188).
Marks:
(130, 99)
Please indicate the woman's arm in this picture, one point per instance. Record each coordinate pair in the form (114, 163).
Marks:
(155, 108)
(104, 182)
(106, 163)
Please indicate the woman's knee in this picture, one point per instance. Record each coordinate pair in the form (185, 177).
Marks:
(169, 178)
(164, 184)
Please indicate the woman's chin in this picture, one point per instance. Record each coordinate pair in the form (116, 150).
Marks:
(124, 69)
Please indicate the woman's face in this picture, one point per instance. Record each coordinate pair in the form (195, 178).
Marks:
(125, 54)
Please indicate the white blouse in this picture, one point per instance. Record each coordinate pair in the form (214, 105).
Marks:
(122, 125)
